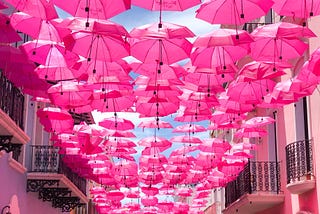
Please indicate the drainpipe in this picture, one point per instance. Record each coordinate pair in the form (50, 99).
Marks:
(306, 133)
(276, 150)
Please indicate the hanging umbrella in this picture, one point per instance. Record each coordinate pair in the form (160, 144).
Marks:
(49, 53)
(155, 107)
(55, 73)
(7, 32)
(55, 119)
(186, 139)
(101, 9)
(250, 92)
(37, 28)
(263, 70)
(257, 122)
(277, 49)
(189, 128)
(167, 30)
(154, 141)
(116, 123)
(282, 30)
(94, 46)
(156, 71)
(297, 9)
(172, 50)
(223, 37)
(233, 12)
(166, 5)
(228, 105)
(214, 145)
(250, 132)
(150, 191)
(39, 8)
(217, 56)
(154, 124)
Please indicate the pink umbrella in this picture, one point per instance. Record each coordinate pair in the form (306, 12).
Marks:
(189, 128)
(49, 53)
(250, 133)
(155, 106)
(277, 49)
(150, 191)
(55, 73)
(116, 123)
(69, 94)
(215, 145)
(300, 9)
(172, 50)
(217, 56)
(250, 92)
(149, 201)
(55, 119)
(166, 5)
(37, 28)
(7, 32)
(119, 143)
(262, 70)
(231, 106)
(167, 30)
(101, 9)
(233, 12)
(205, 82)
(186, 139)
(38, 8)
(223, 37)
(154, 124)
(97, 46)
(257, 122)
(154, 142)
(282, 30)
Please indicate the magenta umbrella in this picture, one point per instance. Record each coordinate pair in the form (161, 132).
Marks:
(100, 9)
(7, 32)
(155, 107)
(154, 142)
(55, 73)
(166, 5)
(233, 12)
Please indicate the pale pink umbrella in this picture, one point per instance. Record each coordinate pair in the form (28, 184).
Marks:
(223, 37)
(167, 30)
(202, 98)
(126, 168)
(232, 12)
(205, 82)
(7, 32)
(250, 92)
(262, 70)
(154, 124)
(164, 51)
(116, 123)
(49, 53)
(215, 145)
(101, 9)
(166, 5)
(38, 8)
(244, 146)
(257, 122)
(184, 191)
(223, 117)
(37, 28)
(154, 141)
(189, 128)
(186, 139)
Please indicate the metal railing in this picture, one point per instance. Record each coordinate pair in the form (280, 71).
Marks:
(299, 160)
(11, 100)
(257, 176)
(46, 159)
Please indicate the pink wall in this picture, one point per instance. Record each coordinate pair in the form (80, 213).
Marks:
(12, 183)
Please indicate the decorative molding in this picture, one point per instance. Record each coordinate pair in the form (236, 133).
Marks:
(16, 165)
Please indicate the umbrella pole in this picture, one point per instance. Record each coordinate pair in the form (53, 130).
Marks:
(276, 149)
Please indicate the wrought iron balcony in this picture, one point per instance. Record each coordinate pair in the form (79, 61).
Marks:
(49, 174)
(299, 167)
(11, 100)
(257, 178)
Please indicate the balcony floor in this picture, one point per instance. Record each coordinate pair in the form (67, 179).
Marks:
(253, 203)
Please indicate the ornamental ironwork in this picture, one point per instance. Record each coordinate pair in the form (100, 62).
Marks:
(257, 176)
(35, 185)
(66, 203)
(299, 160)
(49, 194)
(7, 146)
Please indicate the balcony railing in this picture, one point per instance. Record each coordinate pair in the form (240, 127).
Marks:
(11, 100)
(257, 176)
(46, 159)
(299, 160)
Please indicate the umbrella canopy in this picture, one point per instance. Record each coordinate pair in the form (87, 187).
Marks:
(116, 123)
